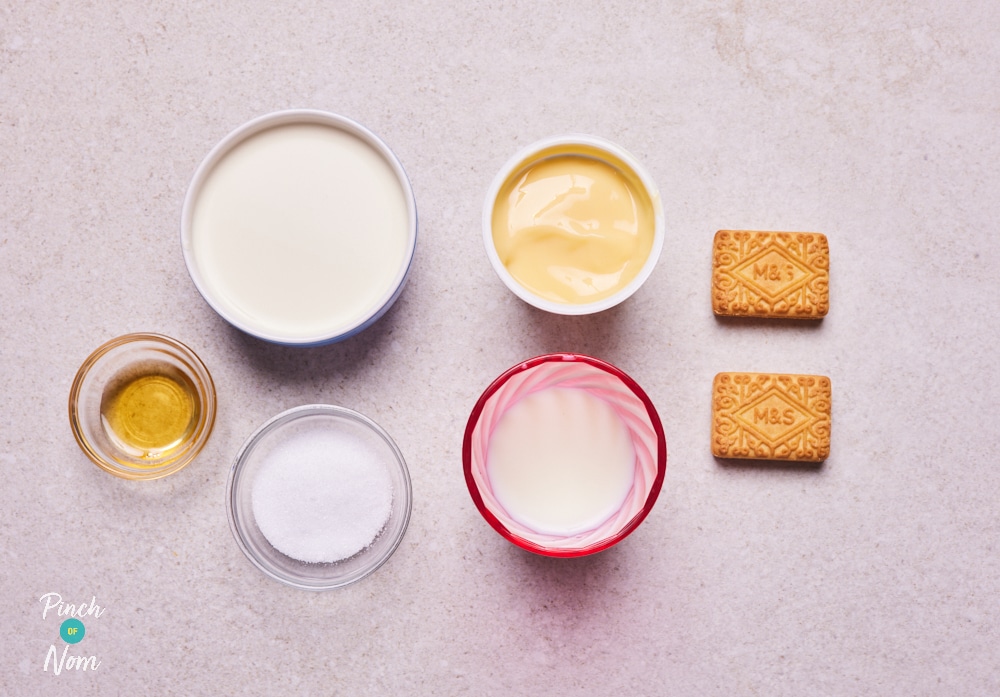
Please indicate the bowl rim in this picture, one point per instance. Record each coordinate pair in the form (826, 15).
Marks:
(208, 407)
(243, 133)
(534, 153)
(277, 421)
(661, 454)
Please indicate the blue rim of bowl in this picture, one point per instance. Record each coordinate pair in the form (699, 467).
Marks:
(284, 118)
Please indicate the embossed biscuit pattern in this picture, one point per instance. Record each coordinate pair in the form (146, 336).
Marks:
(770, 416)
(770, 274)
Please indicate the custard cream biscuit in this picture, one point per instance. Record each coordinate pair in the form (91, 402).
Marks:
(769, 416)
(770, 274)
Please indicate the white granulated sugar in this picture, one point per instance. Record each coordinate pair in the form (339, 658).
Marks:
(323, 496)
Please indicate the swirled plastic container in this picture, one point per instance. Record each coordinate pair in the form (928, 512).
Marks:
(571, 408)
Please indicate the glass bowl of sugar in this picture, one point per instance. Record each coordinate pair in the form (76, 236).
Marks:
(319, 497)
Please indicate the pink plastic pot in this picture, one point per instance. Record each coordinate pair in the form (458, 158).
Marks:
(599, 379)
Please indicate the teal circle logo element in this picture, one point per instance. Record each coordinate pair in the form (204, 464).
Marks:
(72, 631)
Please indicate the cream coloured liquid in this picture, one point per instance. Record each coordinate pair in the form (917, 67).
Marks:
(561, 461)
(300, 230)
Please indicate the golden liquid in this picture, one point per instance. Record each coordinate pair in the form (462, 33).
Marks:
(150, 411)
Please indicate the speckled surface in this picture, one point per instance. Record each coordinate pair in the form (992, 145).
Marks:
(876, 124)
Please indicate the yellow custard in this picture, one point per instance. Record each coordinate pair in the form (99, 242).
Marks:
(573, 229)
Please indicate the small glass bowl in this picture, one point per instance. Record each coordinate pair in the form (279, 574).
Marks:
(602, 380)
(269, 438)
(589, 147)
(131, 358)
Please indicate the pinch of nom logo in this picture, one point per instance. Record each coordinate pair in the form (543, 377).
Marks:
(71, 631)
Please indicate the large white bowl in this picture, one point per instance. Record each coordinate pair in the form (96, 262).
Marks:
(342, 218)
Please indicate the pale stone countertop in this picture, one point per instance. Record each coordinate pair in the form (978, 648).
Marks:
(875, 123)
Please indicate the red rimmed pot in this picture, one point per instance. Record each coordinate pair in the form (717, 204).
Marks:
(590, 378)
